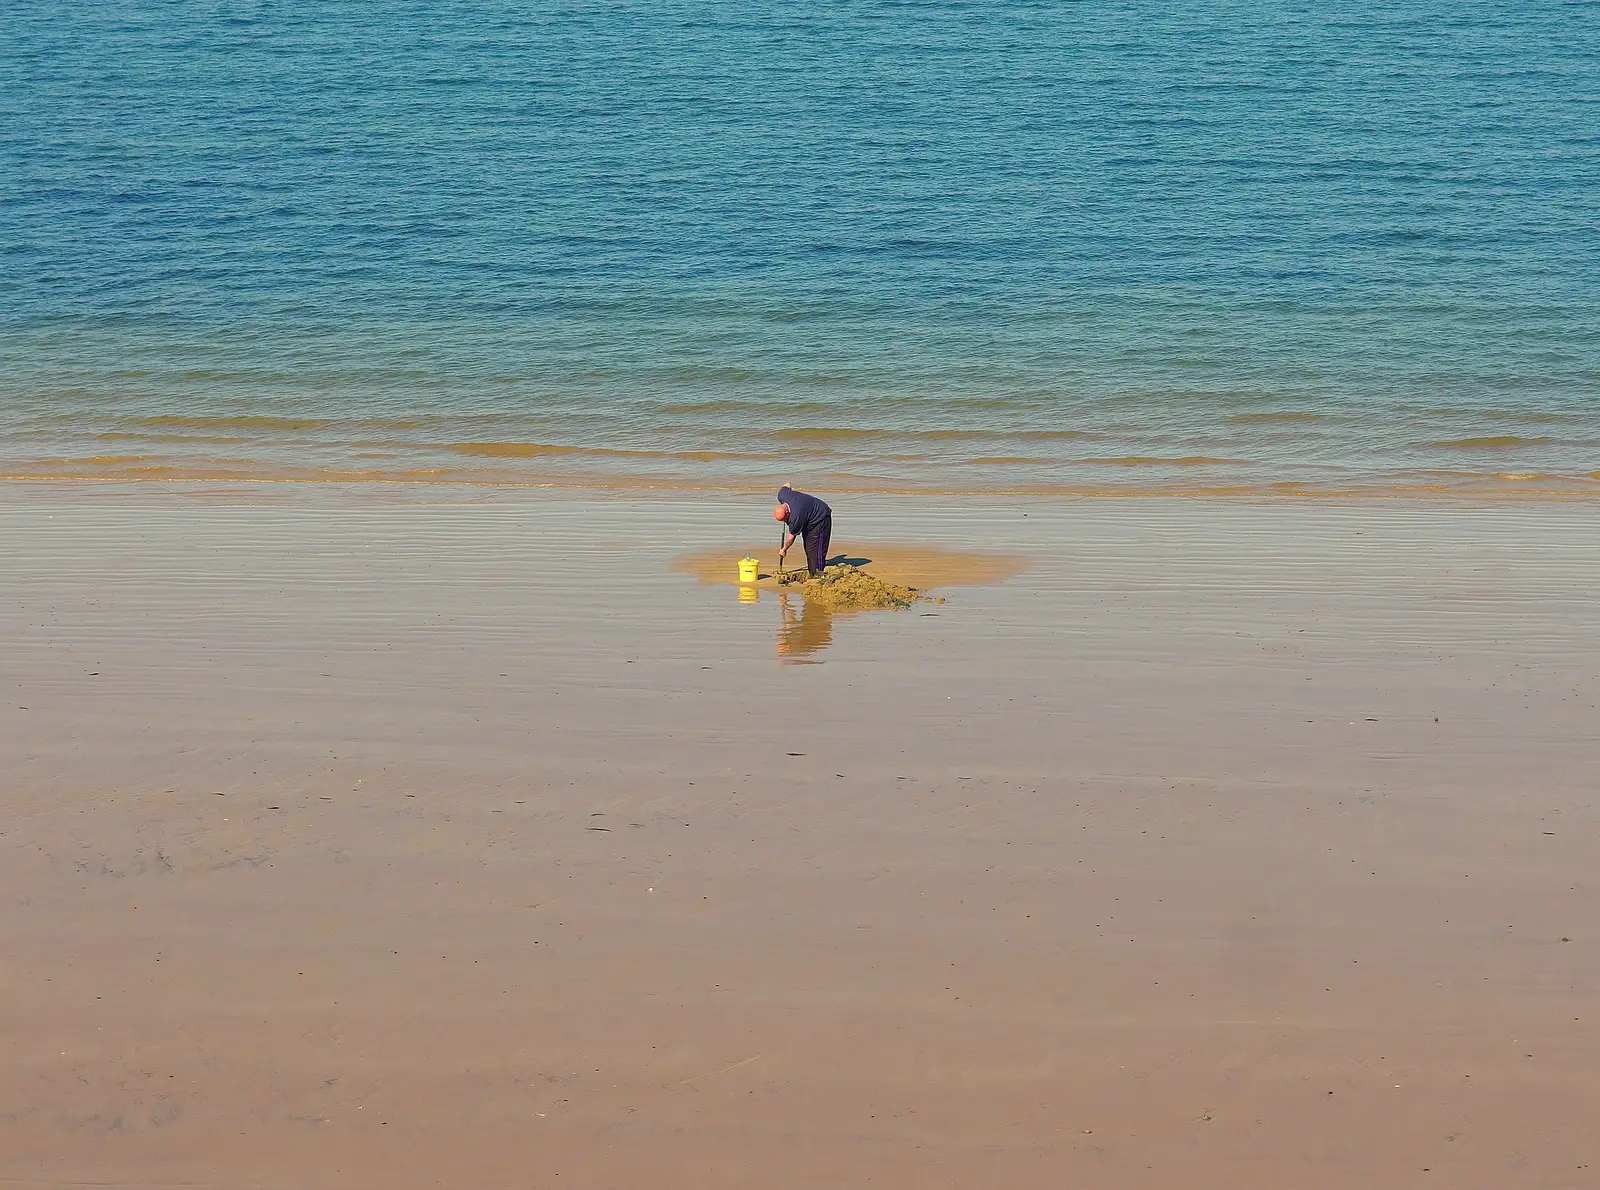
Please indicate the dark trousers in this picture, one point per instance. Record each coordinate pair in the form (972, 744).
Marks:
(817, 544)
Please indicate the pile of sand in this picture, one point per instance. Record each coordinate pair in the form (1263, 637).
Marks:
(848, 589)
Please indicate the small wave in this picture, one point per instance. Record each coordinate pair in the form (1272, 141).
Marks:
(274, 424)
(710, 456)
(714, 407)
(1272, 419)
(1041, 435)
(1530, 416)
(1000, 435)
(1157, 461)
(535, 450)
(848, 433)
(831, 433)
(759, 407)
(515, 450)
(713, 373)
(1003, 460)
(187, 439)
(1497, 442)
(175, 421)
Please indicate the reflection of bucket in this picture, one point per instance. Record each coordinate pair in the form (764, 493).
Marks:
(749, 569)
(749, 595)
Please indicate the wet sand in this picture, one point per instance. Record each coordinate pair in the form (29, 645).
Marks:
(351, 839)
(925, 567)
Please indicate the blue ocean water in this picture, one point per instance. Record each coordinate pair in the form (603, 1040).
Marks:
(872, 244)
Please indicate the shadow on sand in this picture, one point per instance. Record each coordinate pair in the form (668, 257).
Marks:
(836, 560)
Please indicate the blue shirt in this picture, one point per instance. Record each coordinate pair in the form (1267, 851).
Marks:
(805, 512)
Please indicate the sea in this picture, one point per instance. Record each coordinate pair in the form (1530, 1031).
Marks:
(1259, 247)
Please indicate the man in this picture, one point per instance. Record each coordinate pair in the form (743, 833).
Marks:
(805, 516)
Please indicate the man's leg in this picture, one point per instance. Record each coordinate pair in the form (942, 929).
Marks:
(817, 545)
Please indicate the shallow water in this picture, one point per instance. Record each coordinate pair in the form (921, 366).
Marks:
(1009, 247)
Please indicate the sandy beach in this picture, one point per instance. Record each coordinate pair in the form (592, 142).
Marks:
(433, 837)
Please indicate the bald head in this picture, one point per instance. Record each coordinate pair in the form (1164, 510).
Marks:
(781, 513)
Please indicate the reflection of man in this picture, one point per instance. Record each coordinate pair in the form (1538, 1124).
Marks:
(809, 632)
(805, 516)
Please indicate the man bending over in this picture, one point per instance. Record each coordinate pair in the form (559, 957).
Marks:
(806, 517)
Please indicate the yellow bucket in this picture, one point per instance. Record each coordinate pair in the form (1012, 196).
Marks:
(749, 569)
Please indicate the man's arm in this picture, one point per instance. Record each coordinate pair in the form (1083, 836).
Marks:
(785, 548)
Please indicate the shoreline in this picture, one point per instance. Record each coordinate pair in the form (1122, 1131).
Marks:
(1489, 489)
